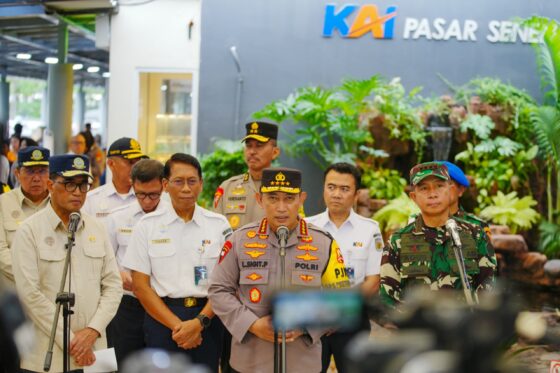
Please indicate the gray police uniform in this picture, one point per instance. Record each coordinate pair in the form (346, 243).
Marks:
(242, 284)
(15, 207)
(236, 199)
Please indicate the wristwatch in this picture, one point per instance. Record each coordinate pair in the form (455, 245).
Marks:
(204, 320)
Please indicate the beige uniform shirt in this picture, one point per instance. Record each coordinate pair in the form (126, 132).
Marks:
(15, 207)
(236, 199)
(243, 282)
(38, 266)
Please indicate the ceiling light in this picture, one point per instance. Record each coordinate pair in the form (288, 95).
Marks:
(51, 60)
(106, 74)
(23, 56)
(93, 69)
(77, 66)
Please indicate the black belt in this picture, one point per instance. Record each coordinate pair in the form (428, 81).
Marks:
(185, 302)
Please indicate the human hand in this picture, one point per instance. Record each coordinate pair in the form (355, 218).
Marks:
(126, 280)
(188, 334)
(86, 359)
(82, 342)
(262, 328)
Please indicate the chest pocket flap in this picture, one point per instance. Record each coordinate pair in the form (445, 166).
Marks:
(11, 225)
(416, 255)
(160, 248)
(94, 251)
(52, 254)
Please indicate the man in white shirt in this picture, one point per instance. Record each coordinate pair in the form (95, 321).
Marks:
(121, 156)
(126, 328)
(359, 239)
(171, 255)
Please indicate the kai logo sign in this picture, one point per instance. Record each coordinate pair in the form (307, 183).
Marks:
(353, 21)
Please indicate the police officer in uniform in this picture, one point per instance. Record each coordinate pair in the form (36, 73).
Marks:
(17, 205)
(38, 263)
(121, 156)
(126, 327)
(171, 253)
(422, 254)
(360, 242)
(235, 198)
(242, 282)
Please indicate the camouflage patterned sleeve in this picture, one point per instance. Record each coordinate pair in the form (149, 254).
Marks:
(391, 285)
(486, 262)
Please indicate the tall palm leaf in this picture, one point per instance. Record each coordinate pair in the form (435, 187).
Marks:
(548, 56)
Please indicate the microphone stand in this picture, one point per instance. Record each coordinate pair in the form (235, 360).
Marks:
(67, 300)
(463, 274)
(280, 358)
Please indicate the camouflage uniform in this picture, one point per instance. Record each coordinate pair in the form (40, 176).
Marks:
(467, 217)
(420, 255)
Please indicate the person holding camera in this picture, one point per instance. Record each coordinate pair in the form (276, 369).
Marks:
(422, 253)
(248, 271)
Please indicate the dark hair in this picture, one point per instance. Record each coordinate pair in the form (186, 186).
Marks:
(181, 158)
(88, 137)
(28, 141)
(147, 170)
(345, 168)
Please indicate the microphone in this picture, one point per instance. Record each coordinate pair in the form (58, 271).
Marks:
(75, 218)
(451, 227)
(282, 232)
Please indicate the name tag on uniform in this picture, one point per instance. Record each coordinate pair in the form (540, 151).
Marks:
(161, 241)
(200, 275)
(125, 230)
(102, 214)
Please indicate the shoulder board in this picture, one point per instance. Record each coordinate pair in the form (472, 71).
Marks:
(211, 214)
(252, 225)
(246, 176)
(369, 220)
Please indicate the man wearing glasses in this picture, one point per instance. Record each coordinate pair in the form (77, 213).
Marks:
(172, 253)
(126, 327)
(31, 196)
(39, 263)
(121, 156)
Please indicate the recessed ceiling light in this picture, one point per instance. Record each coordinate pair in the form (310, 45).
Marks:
(23, 56)
(106, 74)
(93, 69)
(77, 66)
(51, 60)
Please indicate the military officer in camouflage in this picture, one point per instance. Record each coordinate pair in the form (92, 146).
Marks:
(422, 254)
(236, 197)
(242, 283)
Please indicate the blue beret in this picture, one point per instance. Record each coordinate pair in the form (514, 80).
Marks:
(33, 156)
(456, 174)
(69, 165)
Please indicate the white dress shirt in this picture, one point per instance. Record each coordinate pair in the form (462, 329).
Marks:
(360, 241)
(101, 201)
(167, 249)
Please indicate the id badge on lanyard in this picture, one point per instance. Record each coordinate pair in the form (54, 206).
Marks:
(201, 271)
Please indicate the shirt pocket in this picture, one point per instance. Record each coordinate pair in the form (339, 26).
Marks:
(95, 258)
(416, 257)
(123, 237)
(162, 260)
(51, 260)
(10, 226)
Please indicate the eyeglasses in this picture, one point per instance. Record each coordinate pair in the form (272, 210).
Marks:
(152, 196)
(179, 183)
(71, 186)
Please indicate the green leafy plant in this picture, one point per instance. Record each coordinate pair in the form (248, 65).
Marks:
(226, 161)
(546, 121)
(329, 120)
(508, 209)
(396, 213)
(383, 183)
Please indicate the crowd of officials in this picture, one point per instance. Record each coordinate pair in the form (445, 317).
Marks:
(152, 268)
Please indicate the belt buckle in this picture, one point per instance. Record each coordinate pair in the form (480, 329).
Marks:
(190, 302)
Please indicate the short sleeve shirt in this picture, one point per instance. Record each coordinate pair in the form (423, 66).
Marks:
(168, 249)
(101, 201)
(360, 242)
